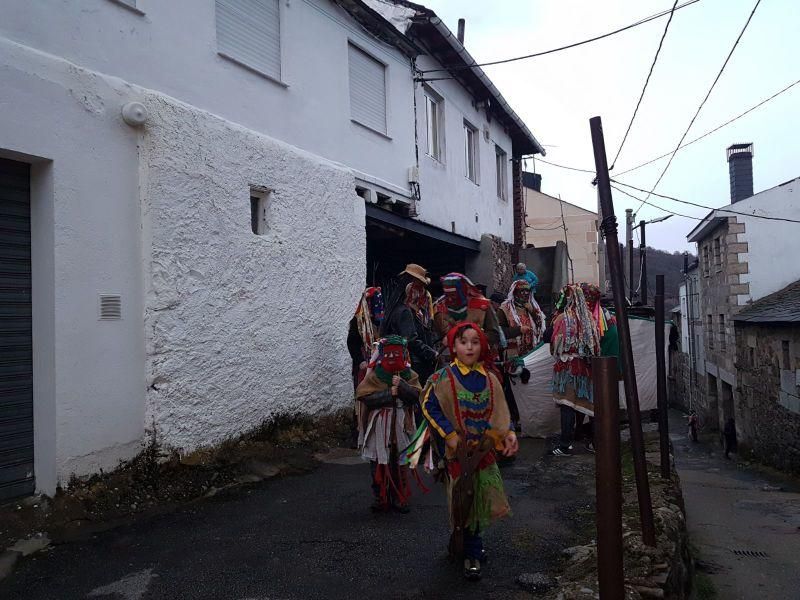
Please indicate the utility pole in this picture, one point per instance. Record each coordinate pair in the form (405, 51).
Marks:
(601, 251)
(608, 478)
(629, 242)
(661, 380)
(609, 227)
(643, 257)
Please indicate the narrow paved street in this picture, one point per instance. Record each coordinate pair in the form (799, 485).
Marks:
(313, 536)
(744, 522)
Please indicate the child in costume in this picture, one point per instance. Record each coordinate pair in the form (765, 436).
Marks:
(387, 395)
(464, 404)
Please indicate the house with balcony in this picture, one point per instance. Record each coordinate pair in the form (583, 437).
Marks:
(192, 197)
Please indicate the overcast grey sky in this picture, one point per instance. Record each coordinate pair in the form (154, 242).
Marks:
(557, 94)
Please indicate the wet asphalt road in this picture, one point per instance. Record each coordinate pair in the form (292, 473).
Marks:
(744, 521)
(312, 536)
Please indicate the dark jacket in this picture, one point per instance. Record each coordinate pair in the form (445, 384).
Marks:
(404, 323)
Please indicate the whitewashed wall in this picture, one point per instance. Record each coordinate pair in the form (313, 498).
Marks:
(221, 328)
(447, 194)
(241, 327)
(773, 246)
(89, 383)
(171, 47)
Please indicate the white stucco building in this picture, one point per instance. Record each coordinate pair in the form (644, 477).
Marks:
(154, 276)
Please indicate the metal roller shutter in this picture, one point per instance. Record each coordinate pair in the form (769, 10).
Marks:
(367, 89)
(249, 31)
(16, 357)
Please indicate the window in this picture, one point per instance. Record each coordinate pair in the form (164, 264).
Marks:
(723, 343)
(706, 261)
(249, 32)
(367, 90)
(501, 165)
(787, 364)
(717, 253)
(710, 330)
(434, 117)
(471, 152)
(259, 209)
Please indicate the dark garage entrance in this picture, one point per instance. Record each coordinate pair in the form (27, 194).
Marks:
(394, 240)
(16, 358)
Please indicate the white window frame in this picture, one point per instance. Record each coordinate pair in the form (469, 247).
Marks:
(471, 153)
(501, 166)
(353, 118)
(434, 104)
(280, 78)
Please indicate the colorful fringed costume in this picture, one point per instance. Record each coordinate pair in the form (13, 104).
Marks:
(582, 329)
(520, 310)
(463, 302)
(468, 402)
(386, 420)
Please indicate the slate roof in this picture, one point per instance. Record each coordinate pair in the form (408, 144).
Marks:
(781, 307)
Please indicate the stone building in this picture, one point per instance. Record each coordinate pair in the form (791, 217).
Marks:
(739, 263)
(767, 406)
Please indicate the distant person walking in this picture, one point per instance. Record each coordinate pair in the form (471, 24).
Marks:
(730, 437)
(523, 273)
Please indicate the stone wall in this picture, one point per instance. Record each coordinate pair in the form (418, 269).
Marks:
(686, 386)
(723, 262)
(768, 398)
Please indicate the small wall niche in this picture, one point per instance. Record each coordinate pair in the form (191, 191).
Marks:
(260, 198)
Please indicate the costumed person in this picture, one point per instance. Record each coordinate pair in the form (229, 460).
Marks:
(364, 328)
(521, 272)
(462, 301)
(388, 393)
(522, 323)
(582, 329)
(465, 406)
(363, 333)
(693, 422)
(729, 433)
(521, 320)
(409, 314)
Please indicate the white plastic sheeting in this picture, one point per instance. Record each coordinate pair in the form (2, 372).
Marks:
(540, 416)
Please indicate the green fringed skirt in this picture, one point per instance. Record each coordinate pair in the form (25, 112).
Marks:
(490, 498)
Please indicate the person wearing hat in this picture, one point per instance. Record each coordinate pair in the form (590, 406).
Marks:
(411, 318)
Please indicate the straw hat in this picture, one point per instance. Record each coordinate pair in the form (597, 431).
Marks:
(417, 272)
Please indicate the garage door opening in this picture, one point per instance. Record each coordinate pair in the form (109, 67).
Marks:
(16, 356)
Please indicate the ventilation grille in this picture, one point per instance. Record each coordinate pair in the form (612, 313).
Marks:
(110, 307)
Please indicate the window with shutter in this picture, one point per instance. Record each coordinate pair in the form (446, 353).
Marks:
(249, 32)
(501, 164)
(470, 152)
(367, 90)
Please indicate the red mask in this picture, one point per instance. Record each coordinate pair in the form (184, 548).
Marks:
(393, 359)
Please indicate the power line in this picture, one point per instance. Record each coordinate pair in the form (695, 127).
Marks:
(724, 210)
(707, 133)
(563, 166)
(644, 89)
(689, 143)
(567, 47)
(699, 108)
(648, 203)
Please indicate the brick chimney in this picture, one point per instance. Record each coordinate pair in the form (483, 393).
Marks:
(740, 167)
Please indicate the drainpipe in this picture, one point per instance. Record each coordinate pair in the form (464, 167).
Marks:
(415, 191)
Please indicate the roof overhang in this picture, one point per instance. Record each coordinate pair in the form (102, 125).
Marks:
(713, 220)
(420, 228)
(430, 30)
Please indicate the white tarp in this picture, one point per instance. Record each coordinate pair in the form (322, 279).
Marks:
(540, 416)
